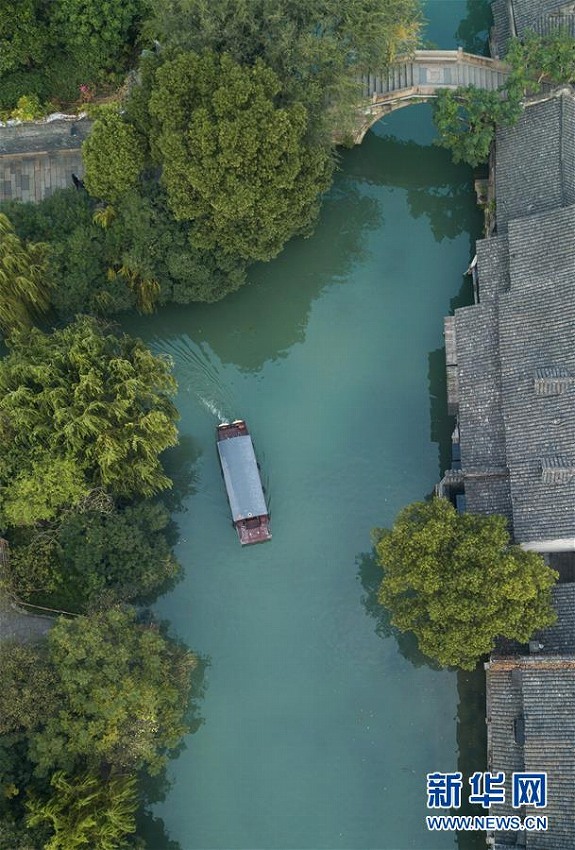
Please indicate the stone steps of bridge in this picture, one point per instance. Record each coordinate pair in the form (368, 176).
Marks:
(408, 74)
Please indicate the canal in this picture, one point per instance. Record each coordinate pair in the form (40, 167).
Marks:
(319, 722)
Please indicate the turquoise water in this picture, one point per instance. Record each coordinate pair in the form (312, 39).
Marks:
(319, 724)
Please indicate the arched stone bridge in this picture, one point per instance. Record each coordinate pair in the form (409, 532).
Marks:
(419, 77)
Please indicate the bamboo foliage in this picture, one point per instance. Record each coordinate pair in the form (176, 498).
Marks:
(81, 409)
(86, 811)
(145, 288)
(24, 284)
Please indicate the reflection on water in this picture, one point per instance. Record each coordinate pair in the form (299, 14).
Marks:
(436, 187)
(320, 721)
(253, 326)
(471, 742)
(473, 30)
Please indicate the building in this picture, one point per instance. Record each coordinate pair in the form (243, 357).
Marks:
(511, 355)
(531, 725)
(510, 360)
(514, 18)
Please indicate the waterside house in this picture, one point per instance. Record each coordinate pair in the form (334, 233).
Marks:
(511, 355)
(514, 18)
(531, 725)
(510, 360)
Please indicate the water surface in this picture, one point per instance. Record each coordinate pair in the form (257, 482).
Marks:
(320, 725)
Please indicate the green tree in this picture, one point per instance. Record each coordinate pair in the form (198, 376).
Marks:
(86, 811)
(24, 33)
(98, 34)
(28, 687)
(466, 119)
(145, 238)
(24, 285)
(114, 155)
(549, 58)
(80, 254)
(457, 582)
(124, 693)
(90, 555)
(235, 163)
(316, 47)
(80, 409)
(15, 837)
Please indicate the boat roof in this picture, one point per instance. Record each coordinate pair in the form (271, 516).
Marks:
(242, 477)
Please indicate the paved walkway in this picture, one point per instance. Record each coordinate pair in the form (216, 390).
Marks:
(16, 624)
(37, 159)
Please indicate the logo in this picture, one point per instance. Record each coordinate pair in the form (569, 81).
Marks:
(444, 791)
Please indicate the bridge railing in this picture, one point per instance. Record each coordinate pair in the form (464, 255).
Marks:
(452, 56)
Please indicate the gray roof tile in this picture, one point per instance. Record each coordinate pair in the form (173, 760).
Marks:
(536, 161)
(516, 348)
(542, 691)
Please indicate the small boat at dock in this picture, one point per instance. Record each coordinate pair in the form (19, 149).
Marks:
(243, 483)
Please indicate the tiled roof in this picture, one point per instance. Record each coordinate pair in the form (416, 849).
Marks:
(536, 161)
(501, 27)
(559, 639)
(481, 433)
(516, 348)
(539, 694)
(493, 260)
(527, 13)
(489, 494)
(541, 16)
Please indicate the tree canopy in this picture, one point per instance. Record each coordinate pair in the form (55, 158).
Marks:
(113, 155)
(93, 555)
(540, 58)
(316, 47)
(23, 33)
(458, 583)
(235, 162)
(50, 48)
(95, 31)
(86, 811)
(123, 692)
(28, 687)
(466, 118)
(24, 281)
(79, 409)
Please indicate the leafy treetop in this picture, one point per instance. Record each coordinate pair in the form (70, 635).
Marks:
(316, 47)
(91, 556)
(86, 810)
(466, 119)
(24, 281)
(235, 163)
(457, 582)
(113, 157)
(80, 409)
(123, 692)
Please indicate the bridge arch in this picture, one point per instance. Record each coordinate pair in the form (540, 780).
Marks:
(418, 78)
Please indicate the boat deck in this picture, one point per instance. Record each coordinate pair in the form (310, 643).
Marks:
(253, 535)
(243, 482)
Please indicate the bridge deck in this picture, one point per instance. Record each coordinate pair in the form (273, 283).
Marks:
(419, 77)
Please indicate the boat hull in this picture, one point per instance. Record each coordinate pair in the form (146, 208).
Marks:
(241, 475)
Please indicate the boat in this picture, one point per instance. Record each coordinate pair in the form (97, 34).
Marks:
(241, 473)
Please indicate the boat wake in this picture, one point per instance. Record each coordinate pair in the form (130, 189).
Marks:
(200, 372)
(209, 405)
